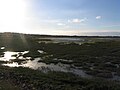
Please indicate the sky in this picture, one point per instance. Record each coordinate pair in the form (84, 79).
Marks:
(60, 17)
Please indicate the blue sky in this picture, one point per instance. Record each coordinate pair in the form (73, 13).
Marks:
(71, 17)
(77, 16)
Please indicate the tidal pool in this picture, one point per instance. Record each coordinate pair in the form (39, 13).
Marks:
(36, 65)
(63, 40)
(8, 55)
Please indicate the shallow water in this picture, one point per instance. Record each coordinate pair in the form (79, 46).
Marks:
(8, 55)
(64, 40)
(34, 64)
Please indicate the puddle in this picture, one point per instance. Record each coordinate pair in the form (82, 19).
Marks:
(63, 40)
(34, 64)
(8, 55)
(14, 64)
(40, 51)
(2, 48)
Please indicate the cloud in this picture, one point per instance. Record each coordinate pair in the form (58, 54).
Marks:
(77, 20)
(98, 17)
(60, 24)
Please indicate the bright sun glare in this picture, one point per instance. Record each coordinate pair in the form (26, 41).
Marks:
(12, 15)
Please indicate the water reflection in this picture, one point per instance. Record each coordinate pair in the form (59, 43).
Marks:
(34, 64)
(63, 40)
(14, 64)
(2, 48)
(8, 55)
(12, 61)
(40, 51)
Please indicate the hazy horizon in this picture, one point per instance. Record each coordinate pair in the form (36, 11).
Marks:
(83, 34)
